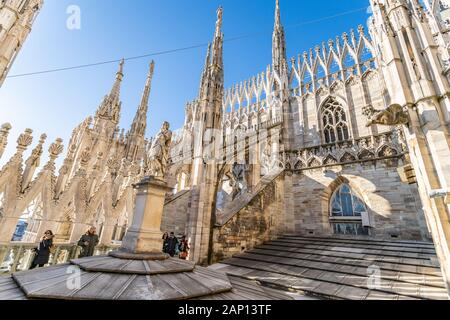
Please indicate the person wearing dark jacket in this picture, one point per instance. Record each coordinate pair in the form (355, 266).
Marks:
(165, 237)
(88, 242)
(172, 244)
(43, 250)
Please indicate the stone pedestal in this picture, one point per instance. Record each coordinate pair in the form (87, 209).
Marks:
(144, 235)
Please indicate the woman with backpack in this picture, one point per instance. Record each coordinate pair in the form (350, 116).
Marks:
(43, 250)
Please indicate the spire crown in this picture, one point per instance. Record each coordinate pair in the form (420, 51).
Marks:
(219, 20)
(277, 14)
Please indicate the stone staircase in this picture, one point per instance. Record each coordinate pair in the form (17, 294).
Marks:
(233, 207)
(343, 268)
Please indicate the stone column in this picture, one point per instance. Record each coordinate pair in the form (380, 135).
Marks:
(144, 237)
(107, 233)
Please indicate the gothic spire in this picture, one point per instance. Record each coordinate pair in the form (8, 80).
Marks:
(217, 57)
(110, 107)
(212, 76)
(143, 107)
(136, 135)
(278, 42)
(278, 25)
(205, 69)
(115, 91)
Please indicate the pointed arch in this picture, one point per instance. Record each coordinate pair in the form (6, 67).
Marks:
(348, 212)
(334, 121)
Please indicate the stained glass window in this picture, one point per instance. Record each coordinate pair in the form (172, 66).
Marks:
(347, 211)
(346, 204)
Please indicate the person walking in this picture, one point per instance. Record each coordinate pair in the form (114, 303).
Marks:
(43, 250)
(184, 248)
(165, 237)
(88, 242)
(172, 245)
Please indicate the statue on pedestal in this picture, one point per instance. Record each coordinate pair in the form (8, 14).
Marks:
(158, 157)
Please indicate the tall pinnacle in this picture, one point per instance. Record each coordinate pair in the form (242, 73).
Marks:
(115, 91)
(148, 86)
(219, 21)
(217, 60)
(205, 69)
(278, 42)
(110, 107)
(212, 81)
(278, 16)
(136, 135)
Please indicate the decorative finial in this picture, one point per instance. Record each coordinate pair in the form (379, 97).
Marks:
(151, 70)
(24, 140)
(56, 149)
(119, 74)
(85, 157)
(6, 127)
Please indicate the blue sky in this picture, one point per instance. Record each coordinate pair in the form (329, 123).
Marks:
(55, 103)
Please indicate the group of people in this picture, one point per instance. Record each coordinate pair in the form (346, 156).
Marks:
(173, 246)
(87, 242)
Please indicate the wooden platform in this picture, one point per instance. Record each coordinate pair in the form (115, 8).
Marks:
(343, 268)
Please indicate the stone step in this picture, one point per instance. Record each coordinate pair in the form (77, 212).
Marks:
(430, 263)
(343, 260)
(329, 283)
(343, 268)
(364, 240)
(393, 248)
(418, 254)
(347, 268)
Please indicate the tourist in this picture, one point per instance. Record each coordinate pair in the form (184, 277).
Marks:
(172, 245)
(184, 248)
(165, 237)
(88, 242)
(43, 250)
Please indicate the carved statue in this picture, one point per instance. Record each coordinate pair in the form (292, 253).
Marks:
(392, 116)
(238, 179)
(268, 159)
(159, 152)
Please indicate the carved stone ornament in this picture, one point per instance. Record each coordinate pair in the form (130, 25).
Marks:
(392, 116)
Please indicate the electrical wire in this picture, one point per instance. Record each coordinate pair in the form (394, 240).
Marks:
(159, 53)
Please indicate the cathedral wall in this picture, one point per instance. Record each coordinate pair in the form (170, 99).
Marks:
(175, 213)
(394, 207)
(354, 96)
(260, 221)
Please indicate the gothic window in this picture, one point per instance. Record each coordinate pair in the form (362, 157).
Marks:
(349, 214)
(334, 121)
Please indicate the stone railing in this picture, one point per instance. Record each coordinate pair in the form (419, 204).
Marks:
(382, 146)
(16, 256)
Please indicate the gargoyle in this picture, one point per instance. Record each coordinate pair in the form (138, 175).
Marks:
(392, 116)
